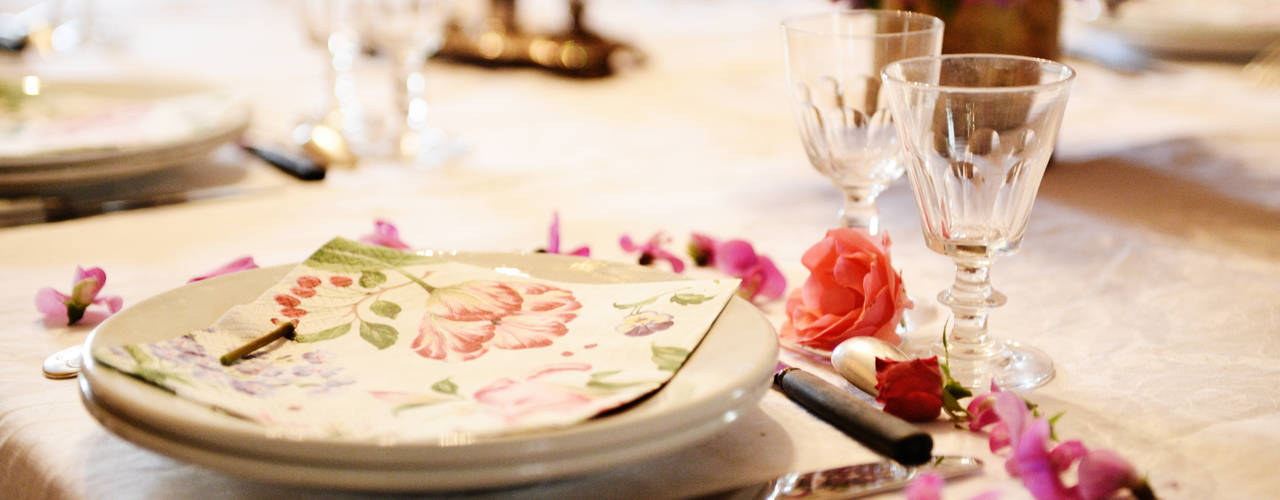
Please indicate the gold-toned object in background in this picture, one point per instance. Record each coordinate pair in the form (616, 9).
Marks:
(577, 52)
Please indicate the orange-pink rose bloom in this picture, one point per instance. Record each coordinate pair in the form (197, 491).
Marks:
(852, 291)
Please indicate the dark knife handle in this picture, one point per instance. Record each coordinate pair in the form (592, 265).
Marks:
(295, 165)
(881, 432)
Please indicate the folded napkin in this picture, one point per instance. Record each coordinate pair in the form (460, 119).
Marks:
(398, 347)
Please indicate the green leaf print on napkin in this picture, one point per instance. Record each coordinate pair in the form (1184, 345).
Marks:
(341, 255)
(380, 335)
(385, 309)
(669, 358)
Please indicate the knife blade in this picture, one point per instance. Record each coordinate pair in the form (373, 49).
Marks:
(881, 432)
(850, 481)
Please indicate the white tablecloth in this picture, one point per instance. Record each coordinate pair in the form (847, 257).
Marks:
(1150, 273)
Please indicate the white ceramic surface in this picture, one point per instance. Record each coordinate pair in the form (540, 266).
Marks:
(215, 120)
(728, 373)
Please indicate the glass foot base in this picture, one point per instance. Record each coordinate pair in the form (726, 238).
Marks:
(1015, 367)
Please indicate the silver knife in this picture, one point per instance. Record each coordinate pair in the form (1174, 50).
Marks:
(850, 481)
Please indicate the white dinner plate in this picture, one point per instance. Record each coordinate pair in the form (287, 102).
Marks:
(131, 127)
(727, 374)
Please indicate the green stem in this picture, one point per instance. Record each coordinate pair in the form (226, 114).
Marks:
(415, 279)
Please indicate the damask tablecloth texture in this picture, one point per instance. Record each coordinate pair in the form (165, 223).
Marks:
(1150, 273)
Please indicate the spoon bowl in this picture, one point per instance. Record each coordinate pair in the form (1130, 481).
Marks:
(855, 360)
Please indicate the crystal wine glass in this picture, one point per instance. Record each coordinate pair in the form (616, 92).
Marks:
(410, 31)
(978, 131)
(833, 69)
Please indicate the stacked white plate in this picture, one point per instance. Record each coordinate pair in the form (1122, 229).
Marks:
(67, 132)
(726, 375)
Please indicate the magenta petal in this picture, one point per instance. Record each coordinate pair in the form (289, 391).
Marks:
(582, 251)
(241, 264)
(95, 273)
(735, 257)
(926, 487)
(1013, 413)
(114, 302)
(1033, 466)
(50, 301)
(677, 265)
(1067, 453)
(553, 235)
(385, 234)
(774, 284)
(627, 244)
(1102, 472)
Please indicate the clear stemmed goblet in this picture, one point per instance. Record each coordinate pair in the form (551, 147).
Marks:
(833, 69)
(410, 31)
(978, 131)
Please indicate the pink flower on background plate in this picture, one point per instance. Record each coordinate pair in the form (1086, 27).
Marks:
(652, 250)
(553, 239)
(241, 264)
(516, 399)
(58, 307)
(464, 321)
(385, 234)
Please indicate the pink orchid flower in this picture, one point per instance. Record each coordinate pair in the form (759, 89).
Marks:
(702, 249)
(652, 249)
(553, 239)
(1104, 472)
(241, 264)
(760, 277)
(59, 307)
(737, 258)
(385, 234)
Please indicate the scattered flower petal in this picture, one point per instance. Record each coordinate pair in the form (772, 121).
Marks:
(60, 308)
(702, 249)
(385, 234)
(553, 239)
(926, 487)
(652, 250)
(241, 264)
(1103, 472)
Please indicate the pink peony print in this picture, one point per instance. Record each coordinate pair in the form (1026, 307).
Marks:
(464, 321)
(514, 399)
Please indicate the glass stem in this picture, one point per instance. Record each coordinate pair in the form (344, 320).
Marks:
(345, 113)
(971, 299)
(411, 90)
(860, 211)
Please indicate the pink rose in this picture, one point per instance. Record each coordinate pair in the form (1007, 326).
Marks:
(852, 291)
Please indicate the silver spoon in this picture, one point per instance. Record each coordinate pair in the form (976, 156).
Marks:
(855, 360)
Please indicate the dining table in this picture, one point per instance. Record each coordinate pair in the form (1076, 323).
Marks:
(1149, 273)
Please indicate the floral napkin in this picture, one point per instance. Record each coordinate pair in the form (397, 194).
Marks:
(398, 347)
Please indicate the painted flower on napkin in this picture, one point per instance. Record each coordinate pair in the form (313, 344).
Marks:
(911, 390)
(852, 291)
(464, 321)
